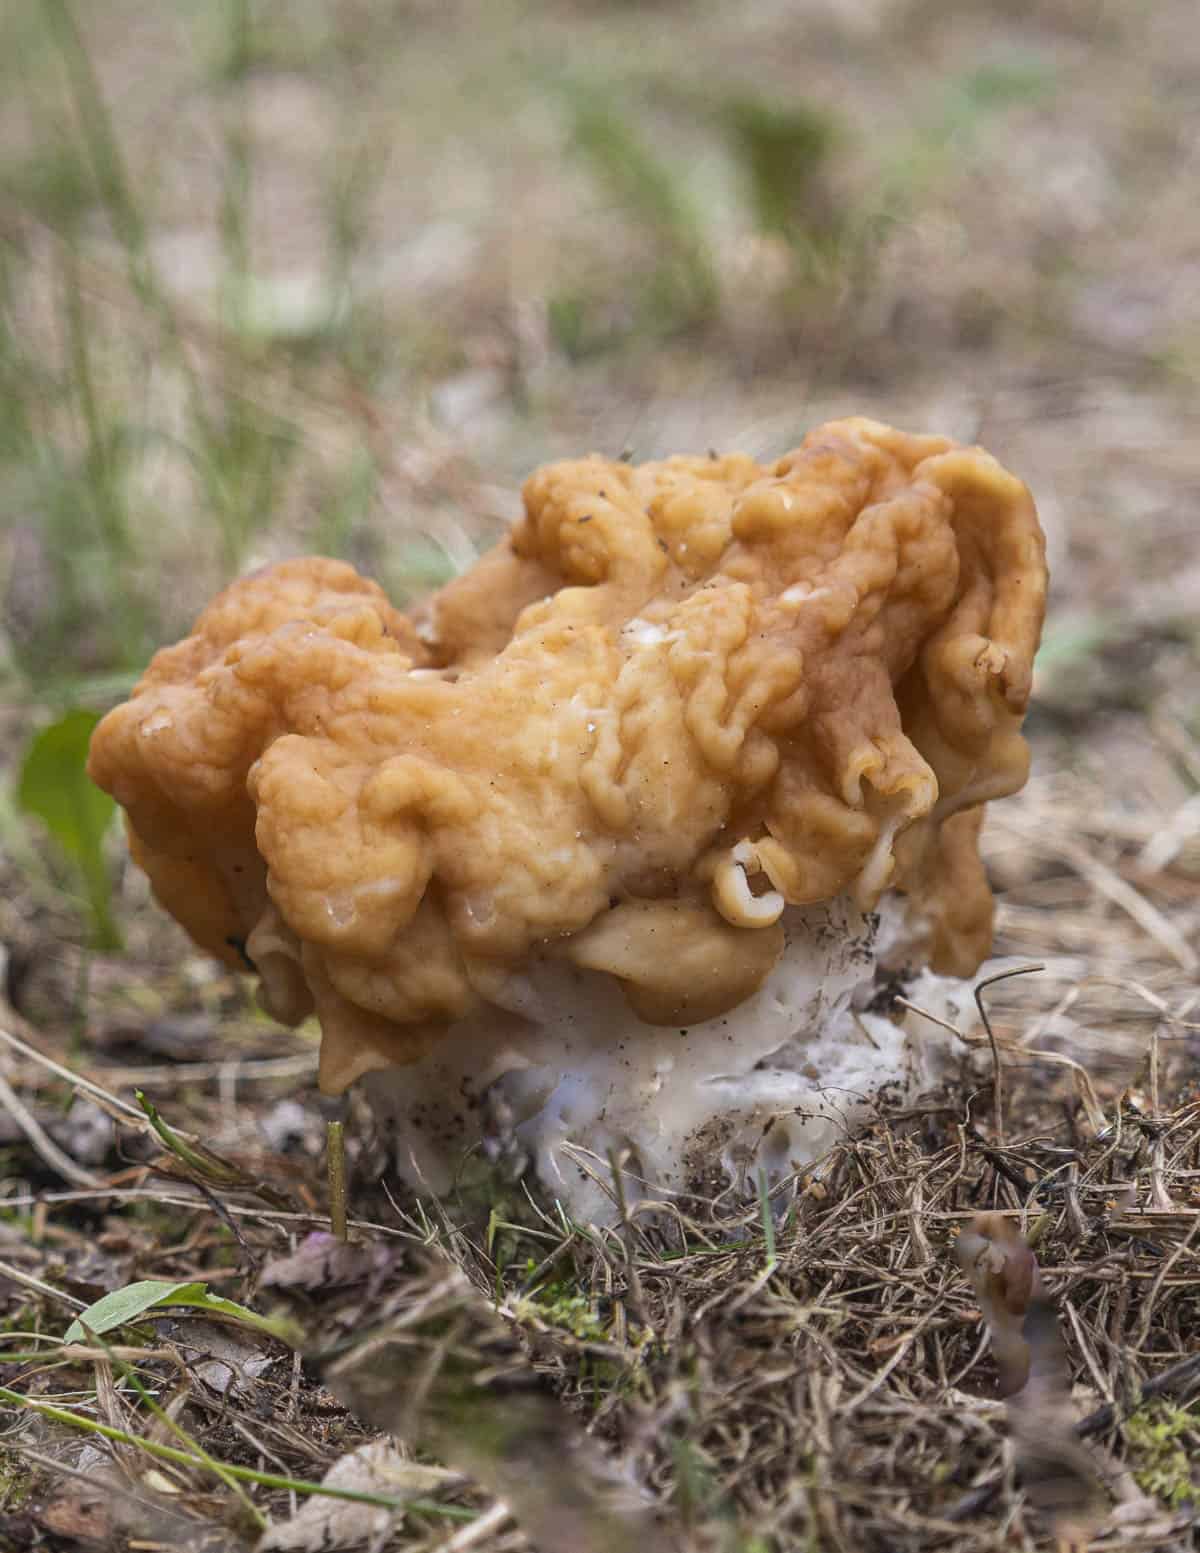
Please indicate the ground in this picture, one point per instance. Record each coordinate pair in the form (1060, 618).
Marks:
(334, 275)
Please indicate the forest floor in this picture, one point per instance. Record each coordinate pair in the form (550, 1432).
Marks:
(334, 276)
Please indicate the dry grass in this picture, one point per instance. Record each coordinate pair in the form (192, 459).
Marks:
(701, 1382)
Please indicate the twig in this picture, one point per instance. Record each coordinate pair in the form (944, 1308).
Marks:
(1177, 1378)
(77, 1081)
(62, 1164)
(7, 1270)
(471, 1536)
(60, 1469)
(976, 1502)
(256, 1516)
(1147, 1311)
(1122, 894)
(251, 1070)
(998, 1091)
(133, 1193)
(1165, 845)
(632, 1275)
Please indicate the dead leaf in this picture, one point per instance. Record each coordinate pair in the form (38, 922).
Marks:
(325, 1262)
(375, 1468)
(80, 1513)
(225, 1358)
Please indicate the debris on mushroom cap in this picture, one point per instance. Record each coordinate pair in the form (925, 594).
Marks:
(677, 700)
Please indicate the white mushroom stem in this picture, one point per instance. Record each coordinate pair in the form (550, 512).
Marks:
(566, 1076)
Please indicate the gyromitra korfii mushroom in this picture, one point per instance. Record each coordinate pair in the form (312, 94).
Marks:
(589, 851)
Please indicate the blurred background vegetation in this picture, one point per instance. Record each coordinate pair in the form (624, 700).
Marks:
(289, 275)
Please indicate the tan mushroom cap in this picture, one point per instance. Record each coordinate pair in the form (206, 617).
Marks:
(678, 697)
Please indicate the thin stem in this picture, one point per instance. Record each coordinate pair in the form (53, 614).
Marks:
(998, 1089)
(768, 1220)
(221, 1470)
(335, 1143)
(246, 1474)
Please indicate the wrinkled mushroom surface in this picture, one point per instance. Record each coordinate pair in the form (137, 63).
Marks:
(680, 700)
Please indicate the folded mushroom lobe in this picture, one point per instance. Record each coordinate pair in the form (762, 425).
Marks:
(677, 699)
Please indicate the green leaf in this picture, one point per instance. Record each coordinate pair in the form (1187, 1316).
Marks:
(54, 786)
(124, 1306)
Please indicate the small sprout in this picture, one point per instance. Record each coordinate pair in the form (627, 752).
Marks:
(768, 1221)
(195, 1162)
(335, 1142)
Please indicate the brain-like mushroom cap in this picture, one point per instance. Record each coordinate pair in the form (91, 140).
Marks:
(677, 697)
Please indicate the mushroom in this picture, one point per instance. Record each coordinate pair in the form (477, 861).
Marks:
(593, 853)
